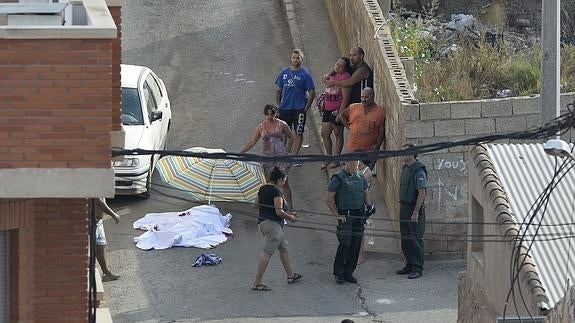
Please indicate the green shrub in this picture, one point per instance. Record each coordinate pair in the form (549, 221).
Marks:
(568, 68)
(412, 40)
(524, 73)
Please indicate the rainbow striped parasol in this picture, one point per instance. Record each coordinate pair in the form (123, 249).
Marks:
(212, 179)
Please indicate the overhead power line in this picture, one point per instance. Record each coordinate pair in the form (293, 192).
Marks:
(559, 125)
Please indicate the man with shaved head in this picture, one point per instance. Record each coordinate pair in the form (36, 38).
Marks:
(365, 121)
(361, 78)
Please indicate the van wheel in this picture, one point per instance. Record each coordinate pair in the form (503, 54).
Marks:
(145, 195)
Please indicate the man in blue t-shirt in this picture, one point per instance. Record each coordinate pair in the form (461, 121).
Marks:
(295, 94)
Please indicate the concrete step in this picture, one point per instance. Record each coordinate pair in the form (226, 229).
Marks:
(103, 315)
(99, 286)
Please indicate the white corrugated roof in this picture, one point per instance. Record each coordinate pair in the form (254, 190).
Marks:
(525, 170)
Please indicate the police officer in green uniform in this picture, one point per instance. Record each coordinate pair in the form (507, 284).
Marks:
(346, 195)
(412, 191)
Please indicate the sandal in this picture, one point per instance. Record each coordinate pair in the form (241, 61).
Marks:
(294, 278)
(261, 288)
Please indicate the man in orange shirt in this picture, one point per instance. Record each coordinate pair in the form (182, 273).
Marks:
(365, 122)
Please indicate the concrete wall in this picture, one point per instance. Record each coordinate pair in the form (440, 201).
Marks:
(427, 123)
(473, 305)
(447, 169)
(564, 310)
(483, 288)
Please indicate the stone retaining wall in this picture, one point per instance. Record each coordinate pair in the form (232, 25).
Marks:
(355, 23)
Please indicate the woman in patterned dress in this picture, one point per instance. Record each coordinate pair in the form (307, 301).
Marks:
(274, 133)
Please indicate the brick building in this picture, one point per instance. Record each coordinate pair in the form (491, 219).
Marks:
(60, 98)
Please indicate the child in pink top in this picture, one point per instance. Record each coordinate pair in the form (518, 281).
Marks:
(336, 99)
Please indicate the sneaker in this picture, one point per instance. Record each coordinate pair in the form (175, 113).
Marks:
(404, 271)
(296, 164)
(351, 279)
(110, 277)
(415, 275)
(339, 279)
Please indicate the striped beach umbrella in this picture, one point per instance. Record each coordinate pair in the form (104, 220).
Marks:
(212, 179)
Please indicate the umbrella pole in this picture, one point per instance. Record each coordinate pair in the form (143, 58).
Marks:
(211, 184)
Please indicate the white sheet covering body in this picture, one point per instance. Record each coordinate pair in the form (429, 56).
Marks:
(201, 227)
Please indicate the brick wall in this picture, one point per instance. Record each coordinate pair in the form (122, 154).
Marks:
(16, 217)
(57, 103)
(60, 256)
(60, 90)
(116, 77)
(48, 259)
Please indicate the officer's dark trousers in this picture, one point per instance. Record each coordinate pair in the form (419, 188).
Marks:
(412, 236)
(349, 235)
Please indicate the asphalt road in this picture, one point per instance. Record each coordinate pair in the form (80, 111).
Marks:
(218, 60)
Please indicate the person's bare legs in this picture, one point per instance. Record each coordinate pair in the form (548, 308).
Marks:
(298, 140)
(326, 129)
(284, 257)
(289, 143)
(262, 266)
(287, 194)
(101, 257)
(338, 131)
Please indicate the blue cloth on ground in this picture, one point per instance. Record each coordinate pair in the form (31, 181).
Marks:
(208, 260)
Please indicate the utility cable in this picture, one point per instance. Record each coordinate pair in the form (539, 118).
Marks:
(560, 124)
(318, 213)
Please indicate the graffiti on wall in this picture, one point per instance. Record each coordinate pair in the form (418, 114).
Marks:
(446, 192)
(451, 164)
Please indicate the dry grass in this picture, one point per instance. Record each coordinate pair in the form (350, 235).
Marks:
(475, 69)
(478, 71)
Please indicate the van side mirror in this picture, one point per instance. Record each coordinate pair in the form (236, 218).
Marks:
(155, 115)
